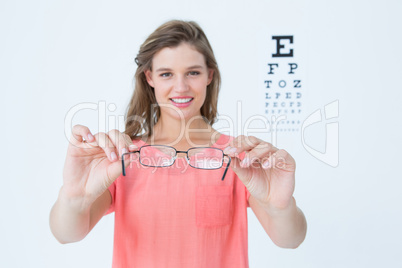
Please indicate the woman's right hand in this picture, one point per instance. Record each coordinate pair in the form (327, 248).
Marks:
(92, 163)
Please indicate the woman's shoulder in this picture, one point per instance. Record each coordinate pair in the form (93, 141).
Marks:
(138, 141)
(222, 140)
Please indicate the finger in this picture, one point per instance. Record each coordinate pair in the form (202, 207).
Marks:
(80, 134)
(131, 145)
(102, 140)
(119, 141)
(131, 148)
(242, 173)
(246, 143)
(241, 143)
(259, 154)
(124, 144)
(280, 160)
(115, 169)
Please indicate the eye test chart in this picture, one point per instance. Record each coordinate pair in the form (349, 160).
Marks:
(282, 79)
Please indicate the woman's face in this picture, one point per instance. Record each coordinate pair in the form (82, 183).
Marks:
(180, 78)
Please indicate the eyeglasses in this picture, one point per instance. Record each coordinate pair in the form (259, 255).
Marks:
(165, 156)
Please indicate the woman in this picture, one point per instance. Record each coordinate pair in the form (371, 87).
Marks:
(182, 214)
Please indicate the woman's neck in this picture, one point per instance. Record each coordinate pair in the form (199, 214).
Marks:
(183, 134)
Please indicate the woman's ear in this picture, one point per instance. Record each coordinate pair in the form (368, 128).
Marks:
(148, 76)
(210, 76)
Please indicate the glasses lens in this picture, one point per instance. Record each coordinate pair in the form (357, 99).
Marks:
(205, 158)
(157, 156)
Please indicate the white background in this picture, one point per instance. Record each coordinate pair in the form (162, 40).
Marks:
(57, 54)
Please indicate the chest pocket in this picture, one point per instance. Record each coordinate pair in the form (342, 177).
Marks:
(214, 206)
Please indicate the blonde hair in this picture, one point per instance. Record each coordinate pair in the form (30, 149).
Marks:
(143, 111)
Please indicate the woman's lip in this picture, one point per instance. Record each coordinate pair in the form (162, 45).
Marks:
(182, 105)
(182, 97)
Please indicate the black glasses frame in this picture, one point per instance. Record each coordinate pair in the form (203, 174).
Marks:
(175, 157)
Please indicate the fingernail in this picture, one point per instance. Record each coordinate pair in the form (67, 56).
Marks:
(230, 150)
(132, 147)
(113, 156)
(90, 137)
(265, 164)
(245, 162)
(123, 151)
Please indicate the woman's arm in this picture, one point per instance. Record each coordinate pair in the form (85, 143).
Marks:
(71, 220)
(286, 227)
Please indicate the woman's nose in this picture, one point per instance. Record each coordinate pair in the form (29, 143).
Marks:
(181, 84)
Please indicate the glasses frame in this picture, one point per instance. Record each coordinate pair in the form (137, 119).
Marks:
(175, 157)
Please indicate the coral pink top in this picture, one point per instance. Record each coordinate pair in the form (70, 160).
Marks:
(179, 216)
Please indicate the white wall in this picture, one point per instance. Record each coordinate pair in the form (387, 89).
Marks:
(57, 54)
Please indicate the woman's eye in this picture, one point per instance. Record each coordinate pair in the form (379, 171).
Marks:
(193, 73)
(166, 74)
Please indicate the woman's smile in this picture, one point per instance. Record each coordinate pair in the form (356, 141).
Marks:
(181, 102)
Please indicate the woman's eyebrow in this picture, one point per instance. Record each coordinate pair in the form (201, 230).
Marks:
(165, 69)
(195, 67)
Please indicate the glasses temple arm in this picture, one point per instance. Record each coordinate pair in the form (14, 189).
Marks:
(122, 161)
(227, 166)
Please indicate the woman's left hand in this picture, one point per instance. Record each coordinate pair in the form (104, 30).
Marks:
(267, 172)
